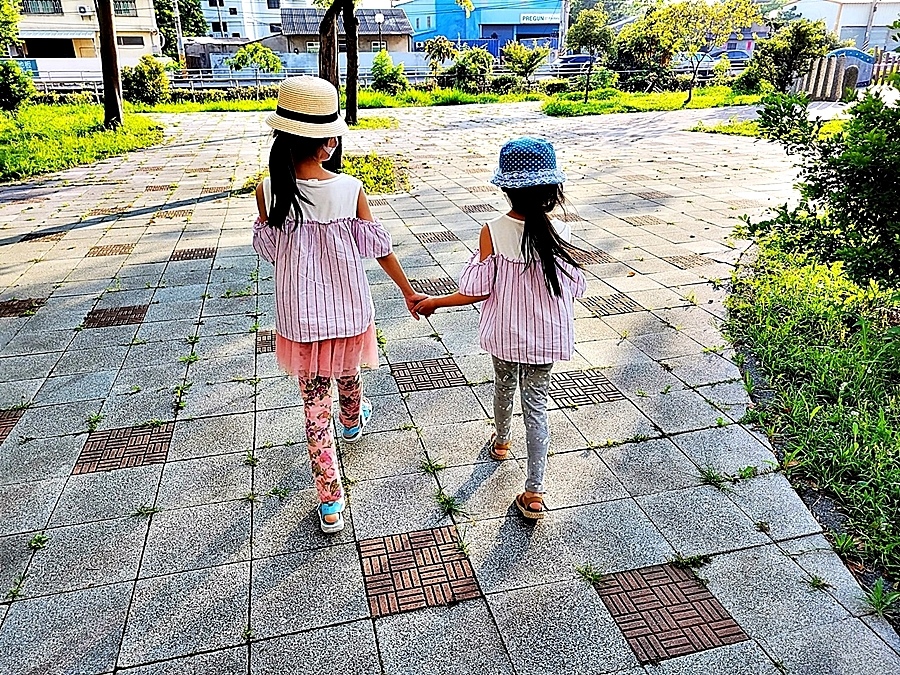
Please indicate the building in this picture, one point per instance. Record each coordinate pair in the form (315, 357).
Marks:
(300, 31)
(247, 19)
(68, 29)
(865, 22)
(498, 20)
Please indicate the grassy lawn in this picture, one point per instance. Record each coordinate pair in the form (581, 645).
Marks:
(44, 138)
(750, 128)
(379, 175)
(605, 101)
(828, 350)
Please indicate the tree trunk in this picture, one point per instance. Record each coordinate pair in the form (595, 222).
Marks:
(328, 45)
(351, 28)
(587, 79)
(109, 60)
(691, 89)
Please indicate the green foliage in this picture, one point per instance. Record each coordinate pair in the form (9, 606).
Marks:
(643, 55)
(849, 209)
(722, 76)
(378, 174)
(16, 86)
(42, 138)
(9, 25)
(602, 78)
(192, 22)
(826, 347)
(471, 70)
(607, 101)
(386, 77)
(592, 35)
(506, 84)
(882, 600)
(256, 56)
(146, 83)
(615, 9)
(552, 86)
(522, 61)
(438, 50)
(789, 53)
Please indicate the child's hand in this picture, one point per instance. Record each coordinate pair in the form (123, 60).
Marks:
(426, 307)
(411, 302)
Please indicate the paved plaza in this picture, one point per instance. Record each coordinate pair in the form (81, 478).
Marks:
(148, 433)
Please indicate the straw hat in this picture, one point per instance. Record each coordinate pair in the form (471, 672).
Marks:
(308, 106)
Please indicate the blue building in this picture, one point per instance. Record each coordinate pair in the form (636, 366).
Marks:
(500, 21)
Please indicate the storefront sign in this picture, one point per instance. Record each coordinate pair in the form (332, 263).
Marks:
(539, 18)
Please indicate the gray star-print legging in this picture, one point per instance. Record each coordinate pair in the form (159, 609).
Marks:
(534, 382)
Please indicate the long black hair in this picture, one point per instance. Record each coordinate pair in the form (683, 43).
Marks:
(540, 240)
(287, 151)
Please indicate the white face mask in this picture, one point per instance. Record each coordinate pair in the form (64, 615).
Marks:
(329, 150)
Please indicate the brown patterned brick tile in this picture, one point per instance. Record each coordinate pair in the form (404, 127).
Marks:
(378, 202)
(688, 261)
(591, 256)
(113, 249)
(194, 254)
(124, 448)
(569, 218)
(115, 316)
(482, 188)
(8, 419)
(442, 286)
(652, 195)
(175, 213)
(215, 189)
(428, 374)
(643, 221)
(582, 387)
(43, 236)
(436, 237)
(479, 208)
(607, 305)
(265, 341)
(159, 188)
(21, 307)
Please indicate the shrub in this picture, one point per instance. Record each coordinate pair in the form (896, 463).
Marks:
(506, 84)
(16, 86)
(790, 52)
(522, 61)
(146, 83)
(555, 85)
(471, 71)
(601, 78)
(722, 76)
(386, 77)
(750, 81)
(849, 210)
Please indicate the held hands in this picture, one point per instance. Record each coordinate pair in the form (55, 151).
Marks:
(426, 306)
(412, 301)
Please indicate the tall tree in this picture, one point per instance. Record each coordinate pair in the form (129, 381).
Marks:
(257, 56)
(109, 64)
(351, 31)
(9, 26)
(592, 34)
(615, 9)
(522, 61)
(192, 22)
(438, 49)
(790, 51)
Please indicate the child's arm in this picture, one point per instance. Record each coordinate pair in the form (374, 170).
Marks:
(429, 305)
(390, 264)
(263, 236)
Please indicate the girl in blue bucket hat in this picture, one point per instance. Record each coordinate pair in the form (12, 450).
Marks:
(527, 278)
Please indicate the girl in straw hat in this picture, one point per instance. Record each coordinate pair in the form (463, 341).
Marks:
(315, 227)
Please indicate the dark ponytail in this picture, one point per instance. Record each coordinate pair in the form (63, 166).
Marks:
(287, 151)
(540, 240)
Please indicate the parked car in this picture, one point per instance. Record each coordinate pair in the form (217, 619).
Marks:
(737, 57)
(571, 64)
(683, 64)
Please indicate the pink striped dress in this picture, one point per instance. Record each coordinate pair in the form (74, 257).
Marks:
(521, 321)
(324, 314)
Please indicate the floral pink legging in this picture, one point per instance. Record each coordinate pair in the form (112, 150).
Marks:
(319, 437)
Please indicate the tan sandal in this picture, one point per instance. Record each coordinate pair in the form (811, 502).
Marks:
(498, 451)
(524, 506)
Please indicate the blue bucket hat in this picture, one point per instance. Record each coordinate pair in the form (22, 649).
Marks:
(525, 162)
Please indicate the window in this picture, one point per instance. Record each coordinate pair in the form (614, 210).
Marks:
(276, 28)
(129, 40)
(418, 23)
(125, 7)
(312, 47)
(428, 22)
(235, 35)
(378, 46)
(216, 28)
(232, 11)
(731, 45)
(273, 4)
(42, 7)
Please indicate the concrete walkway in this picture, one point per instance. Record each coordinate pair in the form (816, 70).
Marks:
(150, 436)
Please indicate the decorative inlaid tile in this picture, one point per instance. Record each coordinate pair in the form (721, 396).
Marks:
(104, 212)
(569, 217)
(606, 305)
(124, 448)
(405, 572)
(428, 374)
(643, 221)
(436, 237)
(115, 316)
(153, 168)
(265, 342)
(582, 387)
(474, 172)
(215, 189)
(113, 249)
(688, 261)
(43, 236)
(175, 213)
(652, 194)
(20, 308)
(478, 208)
(198, 169)
(378, 202)
(591, 256)
(8, 419)
(635, 176)
(193, 254)
(745, 203)
(159, 188)
(664, 612)
(482, 188)
(444, 286)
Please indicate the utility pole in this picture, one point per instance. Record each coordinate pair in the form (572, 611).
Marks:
(109, 62)
(563, 26)
(179, 39)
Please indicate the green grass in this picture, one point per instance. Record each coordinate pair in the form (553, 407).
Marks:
(378, 174)
(43, 138)
(826, 347)
(750, 128)
(606, 101)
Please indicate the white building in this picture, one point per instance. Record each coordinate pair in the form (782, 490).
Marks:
(248, 19)
(863, 21)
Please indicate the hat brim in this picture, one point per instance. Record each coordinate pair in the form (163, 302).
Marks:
(337, 128)
(521, 179)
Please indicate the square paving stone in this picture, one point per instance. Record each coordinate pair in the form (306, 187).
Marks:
(115, 316)
(650, 466)
(280, 601)
(223, 398)
(389, 453)
(582, 387)
(439, 641)
(105, 495)
(27, 506)
(38, 459)
(288, 425)
(351, 650)
(205, 436)
(486, 489)
(414, 570)
(80, 387)
(743, 658)
(664, 611)
(221, 662)
(413, 505)
(87, 555)
(123, 448)
(283, 466)
(427, 374)
(507, 553)
(683, 410)
(727, 449)
(615, 421)
(290, 524)
(699, 369)
(560, 629)
(197, 537)
(576, 478)
(75, 361)
(188, 612)
(14, 558)
(845, 648)
(770, 498)
(459, 404)
(33, 366)
(459, 443)
(192, 482)
(75, 632)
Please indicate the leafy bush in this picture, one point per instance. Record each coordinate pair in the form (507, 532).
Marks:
(256, 56)
(790, 52)
(386, 77)
(16, 86)
(506, 84)
(471, 71)
(522, 61)
(722, 76)
(378, 174)
(601, 78)
(849, 209)
(615, 101)
(554, 85)
(146, 83)
(750, 81)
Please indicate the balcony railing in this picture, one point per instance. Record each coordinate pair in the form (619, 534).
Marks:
(125, 7)
(42, 7)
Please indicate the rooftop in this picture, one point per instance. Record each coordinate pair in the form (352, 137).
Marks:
(306, 20)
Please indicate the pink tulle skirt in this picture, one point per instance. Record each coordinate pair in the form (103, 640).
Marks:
(337, 357)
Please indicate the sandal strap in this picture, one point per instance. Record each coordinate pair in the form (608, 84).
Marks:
(331, 508)
(526, 502)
